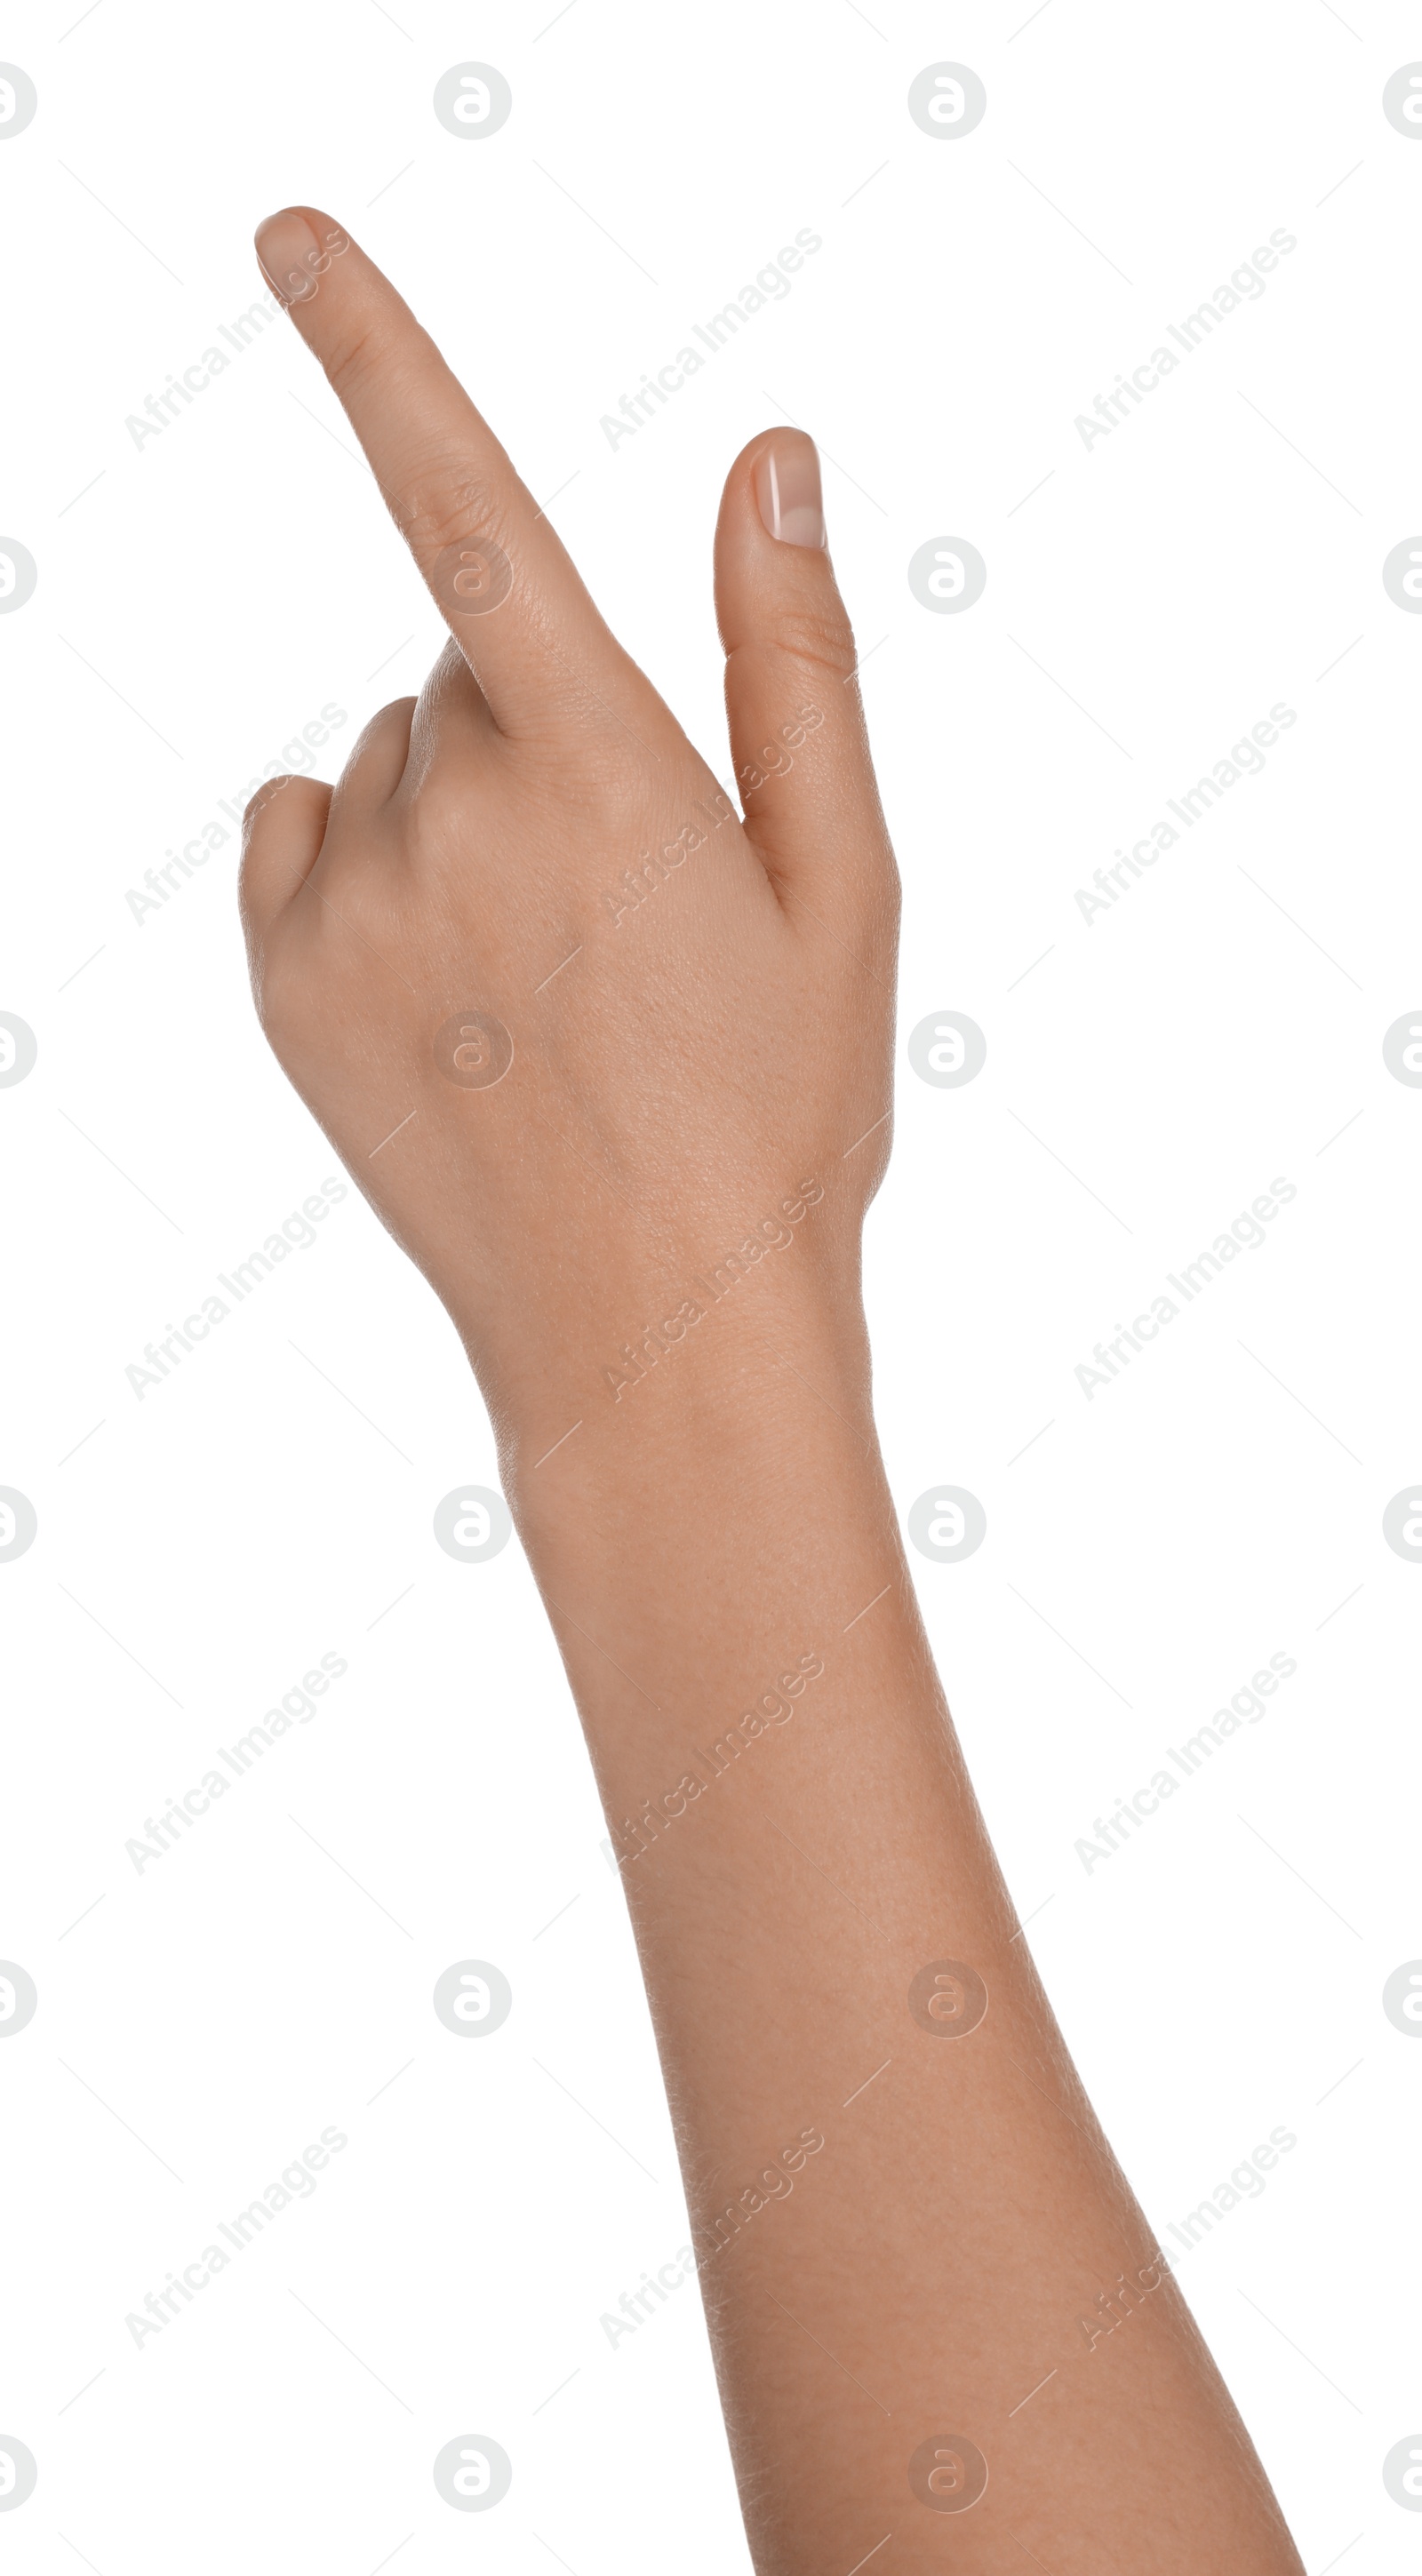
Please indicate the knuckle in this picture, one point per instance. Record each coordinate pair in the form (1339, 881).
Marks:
(438, 821)
(360, 350)
(448, 501)
(821, 636)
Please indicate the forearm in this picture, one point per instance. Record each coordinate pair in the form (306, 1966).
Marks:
(802, 1850)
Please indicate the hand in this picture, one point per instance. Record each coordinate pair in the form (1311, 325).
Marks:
(577, 1032)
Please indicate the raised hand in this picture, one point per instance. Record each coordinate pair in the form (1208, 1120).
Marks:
(577, 1030)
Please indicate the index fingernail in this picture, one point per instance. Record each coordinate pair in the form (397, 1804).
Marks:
(787, 489)
(288, 253)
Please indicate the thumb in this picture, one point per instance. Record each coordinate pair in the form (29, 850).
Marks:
(798, 741)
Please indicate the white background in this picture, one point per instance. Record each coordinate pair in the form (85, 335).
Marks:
(199, 599)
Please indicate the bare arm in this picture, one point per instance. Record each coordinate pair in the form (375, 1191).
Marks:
(615, 1068)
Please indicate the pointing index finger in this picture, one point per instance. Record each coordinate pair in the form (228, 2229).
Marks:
(472, 526)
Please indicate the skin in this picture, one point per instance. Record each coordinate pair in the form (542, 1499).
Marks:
(915, 2248)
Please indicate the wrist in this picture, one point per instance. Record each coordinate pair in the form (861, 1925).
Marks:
(709, 1529)
(698, 1414)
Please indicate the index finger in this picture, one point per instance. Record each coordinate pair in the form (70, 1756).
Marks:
(508, 590)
